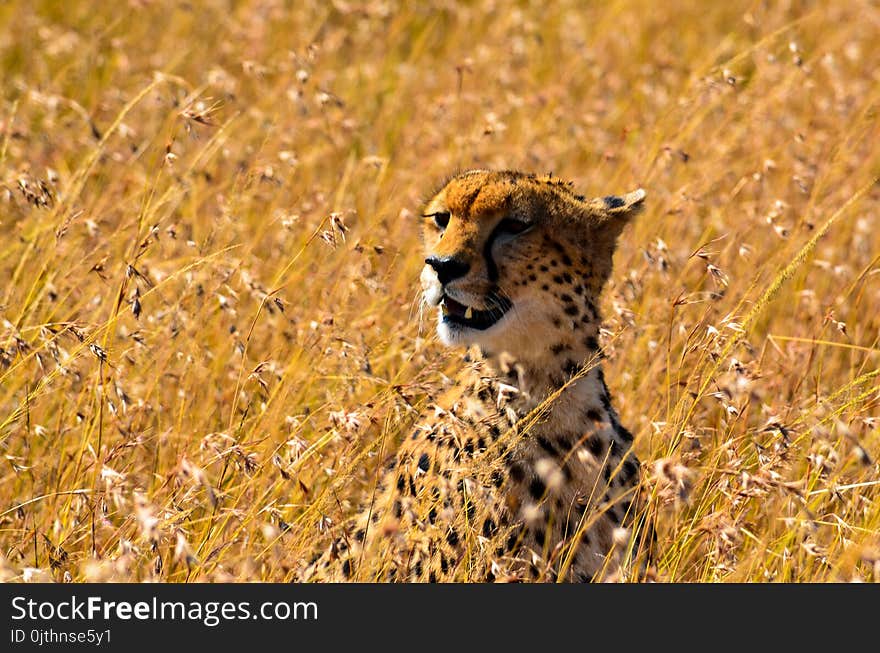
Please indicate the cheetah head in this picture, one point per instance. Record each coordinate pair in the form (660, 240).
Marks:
(513, 259)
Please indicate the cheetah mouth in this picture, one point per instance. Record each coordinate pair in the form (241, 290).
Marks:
(454, 312)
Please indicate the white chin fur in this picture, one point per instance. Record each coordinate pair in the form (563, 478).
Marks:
(452, 335)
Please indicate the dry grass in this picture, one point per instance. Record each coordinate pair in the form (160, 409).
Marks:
(208, 311)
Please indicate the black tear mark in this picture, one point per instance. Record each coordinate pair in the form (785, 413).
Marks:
(491, 267)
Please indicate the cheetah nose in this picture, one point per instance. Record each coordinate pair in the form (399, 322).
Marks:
(448, 268)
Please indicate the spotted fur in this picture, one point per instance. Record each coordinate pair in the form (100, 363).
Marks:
(523, 469)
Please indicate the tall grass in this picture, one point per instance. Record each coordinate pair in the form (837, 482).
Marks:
(209, 320)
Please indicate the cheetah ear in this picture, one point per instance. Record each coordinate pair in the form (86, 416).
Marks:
(613, 206)
(610, 214)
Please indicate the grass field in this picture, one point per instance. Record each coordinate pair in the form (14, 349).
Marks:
(209, 260)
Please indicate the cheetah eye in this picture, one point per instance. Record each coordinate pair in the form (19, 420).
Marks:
(512, 226)
(441, 218)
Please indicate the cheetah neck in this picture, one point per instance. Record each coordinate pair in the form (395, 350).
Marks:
(567, 378)
(574, 409)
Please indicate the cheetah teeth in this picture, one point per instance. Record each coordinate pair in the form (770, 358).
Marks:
(469, 313)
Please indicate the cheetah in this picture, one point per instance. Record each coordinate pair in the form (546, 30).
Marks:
(522, 470)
